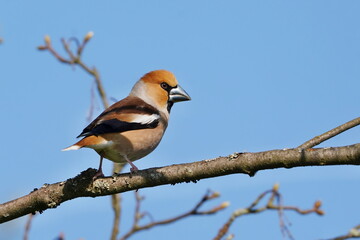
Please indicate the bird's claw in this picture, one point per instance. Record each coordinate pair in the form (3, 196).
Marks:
(98, 174)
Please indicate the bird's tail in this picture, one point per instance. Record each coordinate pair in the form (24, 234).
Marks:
(89, 142)
(72, 147)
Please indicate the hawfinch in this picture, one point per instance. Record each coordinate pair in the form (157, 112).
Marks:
(133, 127)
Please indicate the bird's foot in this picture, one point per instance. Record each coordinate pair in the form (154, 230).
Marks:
(98, 174)
(134, 169)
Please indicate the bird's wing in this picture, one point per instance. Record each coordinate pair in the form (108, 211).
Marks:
(131, 113)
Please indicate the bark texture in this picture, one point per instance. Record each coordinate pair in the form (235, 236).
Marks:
(52, 195)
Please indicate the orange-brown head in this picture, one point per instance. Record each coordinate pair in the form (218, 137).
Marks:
(160, 89)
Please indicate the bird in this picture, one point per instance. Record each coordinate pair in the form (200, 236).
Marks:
(133, 127)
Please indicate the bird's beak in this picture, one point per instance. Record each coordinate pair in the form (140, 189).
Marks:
(178, 94)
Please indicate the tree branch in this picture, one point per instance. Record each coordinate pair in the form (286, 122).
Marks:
(28, 226)
(51, 196)
(270, 205)
(192, 212)
(116, 206)
(353, 233)
(74, 58)
(329, 134)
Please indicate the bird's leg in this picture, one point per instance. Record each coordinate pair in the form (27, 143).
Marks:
(133, 168)
(99, 172)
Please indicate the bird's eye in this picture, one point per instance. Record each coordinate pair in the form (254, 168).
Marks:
(165, 86)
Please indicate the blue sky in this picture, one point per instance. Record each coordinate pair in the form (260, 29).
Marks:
(262, 75)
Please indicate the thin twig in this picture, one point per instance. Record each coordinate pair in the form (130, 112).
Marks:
(28, 226)
(116, 206)
(66, 46)
(192, 212)
(93, 104)
(60, 237)
(270, 205)
(74, 58)
(329, 134)
(137, 215)
(353, 233)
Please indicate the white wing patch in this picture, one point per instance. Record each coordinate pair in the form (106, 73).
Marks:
(145, 119)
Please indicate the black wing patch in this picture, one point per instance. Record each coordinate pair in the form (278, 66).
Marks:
(116, 126)
(111, 124)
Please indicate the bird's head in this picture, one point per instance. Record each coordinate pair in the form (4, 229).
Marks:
(160, 89)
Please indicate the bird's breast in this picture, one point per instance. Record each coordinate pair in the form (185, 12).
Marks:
(134, 144)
